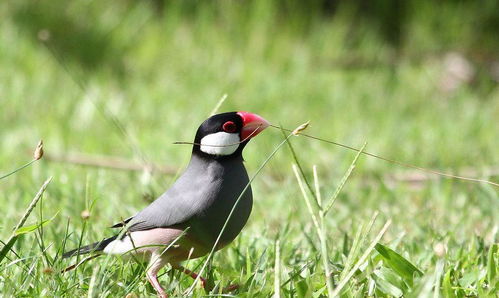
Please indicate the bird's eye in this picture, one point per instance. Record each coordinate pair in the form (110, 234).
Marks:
(229, 127)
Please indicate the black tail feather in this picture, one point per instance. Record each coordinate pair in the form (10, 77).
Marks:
(74, 266)
(94, 247)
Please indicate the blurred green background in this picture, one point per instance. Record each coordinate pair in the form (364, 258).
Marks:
(416, 80)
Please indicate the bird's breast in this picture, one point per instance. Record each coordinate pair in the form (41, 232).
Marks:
(230, 206)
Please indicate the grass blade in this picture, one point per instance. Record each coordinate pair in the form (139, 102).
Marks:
(297, 162)
(277, 271)
(13, 238)
(305, 196)
(361, 261)
(344, 180)
(317, 186)
(491, 263)
(31, 228)
(448, 291)
(218, 105)
(439, 271)
(361, 233)
(398, 263)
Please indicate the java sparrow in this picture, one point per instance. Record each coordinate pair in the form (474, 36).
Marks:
(185, 221)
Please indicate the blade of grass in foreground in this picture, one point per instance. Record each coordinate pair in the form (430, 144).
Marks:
(362, 259)
(277, 271)
(399, 264)
(344, 180)
(31, 228)
(13, 238)
(296, 132)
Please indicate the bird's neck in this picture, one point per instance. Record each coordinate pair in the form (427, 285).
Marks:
(214, 167)
(201, 157)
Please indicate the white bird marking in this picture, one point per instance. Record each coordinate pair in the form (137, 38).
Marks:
(119, 246)
(144, 241)
(220, 143)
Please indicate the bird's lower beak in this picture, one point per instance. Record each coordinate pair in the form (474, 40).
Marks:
(252, 125)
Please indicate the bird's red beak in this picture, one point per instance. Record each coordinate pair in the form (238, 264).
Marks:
(252, 125)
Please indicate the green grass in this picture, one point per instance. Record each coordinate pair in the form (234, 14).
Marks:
(161, 76)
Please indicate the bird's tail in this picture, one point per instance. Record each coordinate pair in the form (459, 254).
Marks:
(94, 247)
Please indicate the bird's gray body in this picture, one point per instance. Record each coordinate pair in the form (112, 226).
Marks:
(201, 201)
(205, 209)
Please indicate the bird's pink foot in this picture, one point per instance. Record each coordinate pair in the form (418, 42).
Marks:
(194, 276)
(153, 279)
(204, 282)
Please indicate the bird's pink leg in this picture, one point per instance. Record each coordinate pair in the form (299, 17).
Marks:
(153, 279)
(157, 262)
(192, 274)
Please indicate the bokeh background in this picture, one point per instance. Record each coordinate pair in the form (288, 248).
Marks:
(416, 80)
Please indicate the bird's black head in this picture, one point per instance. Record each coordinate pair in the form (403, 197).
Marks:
(225, 135)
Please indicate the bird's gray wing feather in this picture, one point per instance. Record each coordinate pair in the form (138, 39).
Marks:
(189, 197)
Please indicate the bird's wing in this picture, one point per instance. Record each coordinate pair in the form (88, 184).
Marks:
(188, 197)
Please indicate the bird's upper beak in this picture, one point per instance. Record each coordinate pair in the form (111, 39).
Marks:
(252, 125)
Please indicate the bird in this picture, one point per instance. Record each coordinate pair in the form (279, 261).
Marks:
(187, 221)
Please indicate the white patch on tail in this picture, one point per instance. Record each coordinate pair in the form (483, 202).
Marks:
(143, 241)
(212, 143)
(119, 246)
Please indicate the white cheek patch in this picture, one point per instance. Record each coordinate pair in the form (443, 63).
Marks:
(220, 143)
